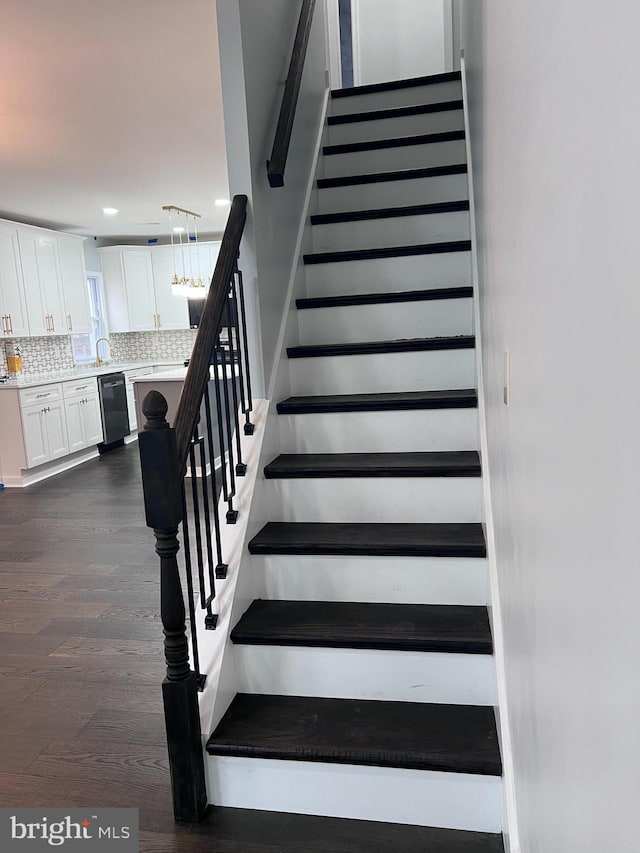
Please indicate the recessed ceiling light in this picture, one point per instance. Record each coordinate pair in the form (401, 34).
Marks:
(109, 211)
(222, 202)
(179, 229)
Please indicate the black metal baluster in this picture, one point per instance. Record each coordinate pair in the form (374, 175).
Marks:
(227, 420)
(191, 599)
(222, 568)
(227, 490)
(248, 427)
(205, 600)
(211, 620)
(243, 397)
(232, 313)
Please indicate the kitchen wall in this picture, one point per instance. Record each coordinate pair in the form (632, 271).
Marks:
(554, 129)
(53, 354)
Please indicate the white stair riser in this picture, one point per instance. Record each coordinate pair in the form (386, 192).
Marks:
(415, 272)
(387, 128)
(393, 193)
(386, 159)
(389, 794)
(379, 499)
(397, 676)
(349, 324)
(391, 231)
(437, 370)
(391, 580)
(371, 432)
(430, 94)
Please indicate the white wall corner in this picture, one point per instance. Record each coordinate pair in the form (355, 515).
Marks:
(511, 834)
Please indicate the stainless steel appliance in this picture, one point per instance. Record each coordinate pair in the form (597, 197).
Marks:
(112, 388)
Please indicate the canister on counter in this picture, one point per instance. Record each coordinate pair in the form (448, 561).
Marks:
(13, 353)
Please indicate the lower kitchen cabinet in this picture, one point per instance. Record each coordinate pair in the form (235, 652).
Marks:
(84, 423)
(45, 432)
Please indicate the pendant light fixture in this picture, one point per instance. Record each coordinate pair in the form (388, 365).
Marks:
(186, 280)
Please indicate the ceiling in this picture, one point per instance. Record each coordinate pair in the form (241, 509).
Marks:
(110, 103)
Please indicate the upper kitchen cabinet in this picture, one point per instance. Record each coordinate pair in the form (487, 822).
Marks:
(128, 285)
(42, 283)
(137, 282)
(12, 302)
(172, 311)
(73, 276)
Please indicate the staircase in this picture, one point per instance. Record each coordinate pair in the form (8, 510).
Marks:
(367, 675)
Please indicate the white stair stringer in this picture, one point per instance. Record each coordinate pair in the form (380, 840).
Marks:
(432, 370)
(377, 432)
(413, 272)
(432, 93)
(375, 499)
(458, 679)
(391, 231)
(386, 321)
(389, 794)
(391, 580)
(388, 128)
(399, 192)
(426, 155)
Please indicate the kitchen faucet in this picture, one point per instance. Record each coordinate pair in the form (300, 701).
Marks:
(99, 360)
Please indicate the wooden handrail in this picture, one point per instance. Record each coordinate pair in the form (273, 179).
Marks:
(209, 329)
(278, 160)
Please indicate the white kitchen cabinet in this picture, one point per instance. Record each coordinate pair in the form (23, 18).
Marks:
(82, 409)
(73, 277)
(172, 311)
(137, 283)
(42, 286)
(45, 432)
(13, 309)
(130, 377)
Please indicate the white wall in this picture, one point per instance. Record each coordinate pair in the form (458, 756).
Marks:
(255, 49)
(554, 122)
(399, 39)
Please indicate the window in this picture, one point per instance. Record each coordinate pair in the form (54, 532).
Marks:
(84, 346)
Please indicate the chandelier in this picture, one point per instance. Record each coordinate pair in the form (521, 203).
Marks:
(186, 280)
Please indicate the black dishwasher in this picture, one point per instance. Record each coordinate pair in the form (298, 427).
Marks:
(112, 388)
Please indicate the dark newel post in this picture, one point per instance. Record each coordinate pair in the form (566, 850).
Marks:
(163, 506)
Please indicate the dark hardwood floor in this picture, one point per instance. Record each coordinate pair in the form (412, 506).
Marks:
(81, 666)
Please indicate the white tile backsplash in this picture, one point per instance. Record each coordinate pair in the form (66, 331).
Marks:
(52, 354)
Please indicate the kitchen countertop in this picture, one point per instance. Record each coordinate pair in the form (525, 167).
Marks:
(31, 380)
(178, 374)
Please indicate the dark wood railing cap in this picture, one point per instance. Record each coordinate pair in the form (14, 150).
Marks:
(278, 160)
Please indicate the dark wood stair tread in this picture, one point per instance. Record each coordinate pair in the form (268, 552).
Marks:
(394, 175)
(251, 830)
(376, 347)
(415, 735)
(375, 539)
(390, 212)
(391, 85)
(350, 625)
(396, 112)
(452, 463)
(434, 293)
(388, 252)
(393, 142)
(391, 401)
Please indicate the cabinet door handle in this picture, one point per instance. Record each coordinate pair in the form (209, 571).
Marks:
(53, 325)
(46, 320)
(69, 323)
(5, 325)
(159, 324)
(10, 324)
(38, 396)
